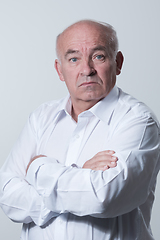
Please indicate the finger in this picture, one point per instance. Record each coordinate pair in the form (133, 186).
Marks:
(114, 159)
(103, 157)
(108, 152)
(105, 164)
(100, 160)
(112, 164)
(105, 168)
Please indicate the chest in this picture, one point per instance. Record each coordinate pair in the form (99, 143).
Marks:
(71, 142)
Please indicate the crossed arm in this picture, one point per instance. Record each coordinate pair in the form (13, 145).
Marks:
(101, 161)
(105, 189)
(113, 192)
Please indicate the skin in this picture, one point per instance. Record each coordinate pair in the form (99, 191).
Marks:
(84, 65)
(89, 69)
(102, 161)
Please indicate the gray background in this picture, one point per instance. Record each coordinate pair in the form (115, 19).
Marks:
(28, 29)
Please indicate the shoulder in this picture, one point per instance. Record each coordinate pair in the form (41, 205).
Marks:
(48, 108)
(134, 107)
(132, 113)
(46, 113)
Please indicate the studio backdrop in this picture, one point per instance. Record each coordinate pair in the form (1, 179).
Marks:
(28, 30)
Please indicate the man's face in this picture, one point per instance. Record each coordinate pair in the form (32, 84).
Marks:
(85, 65)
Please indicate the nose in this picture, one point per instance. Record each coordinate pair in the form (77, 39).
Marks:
(87, 68)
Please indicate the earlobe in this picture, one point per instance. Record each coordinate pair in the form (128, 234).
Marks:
(119, 62)
(57, 66)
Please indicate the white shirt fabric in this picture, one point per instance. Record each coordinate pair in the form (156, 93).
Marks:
(58, 199)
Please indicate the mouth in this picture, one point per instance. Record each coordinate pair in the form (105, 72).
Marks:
(87, 84)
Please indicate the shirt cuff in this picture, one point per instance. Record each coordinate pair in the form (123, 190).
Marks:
(34, 168)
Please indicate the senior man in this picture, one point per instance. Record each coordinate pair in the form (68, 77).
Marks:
(92, 158)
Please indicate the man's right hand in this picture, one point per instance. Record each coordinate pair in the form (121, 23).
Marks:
(102, 161)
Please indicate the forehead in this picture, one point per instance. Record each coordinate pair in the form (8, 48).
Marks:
(82, 37)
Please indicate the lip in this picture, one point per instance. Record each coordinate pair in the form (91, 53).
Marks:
(88, 83)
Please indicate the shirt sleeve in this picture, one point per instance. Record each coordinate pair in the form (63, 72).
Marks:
(18, 199)
(104, 194)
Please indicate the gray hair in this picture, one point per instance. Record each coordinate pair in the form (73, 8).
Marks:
(112, 40)
(111, 37)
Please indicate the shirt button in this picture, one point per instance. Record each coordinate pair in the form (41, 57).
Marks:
(77, 136)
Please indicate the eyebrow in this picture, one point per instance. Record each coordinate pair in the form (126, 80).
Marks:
(97, 48)
(70, 51)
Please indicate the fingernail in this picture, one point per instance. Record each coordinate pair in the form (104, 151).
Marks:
(111, 151)
(112, 162)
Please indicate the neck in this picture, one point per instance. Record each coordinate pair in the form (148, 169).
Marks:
(80, 107)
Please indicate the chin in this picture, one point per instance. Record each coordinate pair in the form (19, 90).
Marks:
(93, 99)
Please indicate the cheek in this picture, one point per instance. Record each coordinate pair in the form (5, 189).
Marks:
(69, 73)
(107, 77)
(69, 80)
(104, 74)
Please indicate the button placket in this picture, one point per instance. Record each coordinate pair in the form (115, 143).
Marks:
(60, 228)
(75, 142)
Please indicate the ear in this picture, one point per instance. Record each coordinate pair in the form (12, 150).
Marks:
(57, 66)
(119, 62)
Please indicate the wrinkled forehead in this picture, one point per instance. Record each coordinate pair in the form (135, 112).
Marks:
(88, 35)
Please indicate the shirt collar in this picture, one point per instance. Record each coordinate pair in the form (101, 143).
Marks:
(105, 108)
(102, 110)
(65, 105)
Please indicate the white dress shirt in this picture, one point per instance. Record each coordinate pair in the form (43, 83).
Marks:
(58, 199)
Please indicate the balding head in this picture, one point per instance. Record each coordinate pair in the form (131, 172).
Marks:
(88, 62)
(106, 32)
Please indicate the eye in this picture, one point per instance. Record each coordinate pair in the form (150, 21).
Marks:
(74, 59)
(100, 57)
